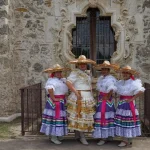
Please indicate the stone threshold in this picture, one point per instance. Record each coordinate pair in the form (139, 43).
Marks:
(10, 118)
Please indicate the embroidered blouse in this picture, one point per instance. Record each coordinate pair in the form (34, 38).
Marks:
(106, 84)
(58, 85)
(80, 79)
(129, 87)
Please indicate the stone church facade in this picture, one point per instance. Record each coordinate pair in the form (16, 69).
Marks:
(35, 34)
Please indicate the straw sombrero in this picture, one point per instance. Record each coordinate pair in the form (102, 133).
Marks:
(129, 70)
(106, 64)
(55, 68)
(82, 59)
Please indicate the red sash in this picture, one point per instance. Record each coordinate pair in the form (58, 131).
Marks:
(57, 105)
(103, 110)
(132, 107)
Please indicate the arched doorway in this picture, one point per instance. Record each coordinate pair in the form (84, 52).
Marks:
(93, 36)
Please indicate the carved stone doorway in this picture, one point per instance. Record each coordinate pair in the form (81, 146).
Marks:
(94, 36)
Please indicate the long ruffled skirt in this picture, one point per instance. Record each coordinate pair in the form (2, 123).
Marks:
(102, 130)
(85, 121)
(126, 125)
(52, 125)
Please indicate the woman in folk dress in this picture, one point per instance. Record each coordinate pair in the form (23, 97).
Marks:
(104, 117)
(54, 121)
(127, 117)
(80, 102)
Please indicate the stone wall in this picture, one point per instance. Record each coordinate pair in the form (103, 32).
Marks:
(35, 34)
(6, 63)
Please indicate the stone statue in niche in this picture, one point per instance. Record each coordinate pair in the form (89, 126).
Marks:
(129, 24)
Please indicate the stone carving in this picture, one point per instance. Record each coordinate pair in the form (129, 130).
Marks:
(129, 24)
(117, 34)
(70, 43)
(64, 17)
(57, 46)
(93, 3)
(57, 32)
(133, 25)
(139, 23)
(69, 2)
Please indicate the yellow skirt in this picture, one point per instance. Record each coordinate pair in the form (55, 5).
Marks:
(83, 120)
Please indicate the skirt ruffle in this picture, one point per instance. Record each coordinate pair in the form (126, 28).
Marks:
(102, 130)
(125, 124)
(52, 125)
(85, 121)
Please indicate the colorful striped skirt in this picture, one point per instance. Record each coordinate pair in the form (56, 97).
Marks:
(104, 118)
(127, 120)
(54, 120)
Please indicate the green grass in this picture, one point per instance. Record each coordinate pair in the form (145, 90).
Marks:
(5, 131)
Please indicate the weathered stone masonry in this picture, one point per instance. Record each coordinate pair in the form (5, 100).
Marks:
(35, 34)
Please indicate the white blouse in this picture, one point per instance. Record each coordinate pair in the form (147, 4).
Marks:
(80, 80)
(129, 87)
(58, 85)
(106, 84)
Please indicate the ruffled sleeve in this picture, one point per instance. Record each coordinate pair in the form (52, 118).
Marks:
(137, 86)
(72, 77)
(106, 84)
(98, 85)
(111, 84)
(50, 84)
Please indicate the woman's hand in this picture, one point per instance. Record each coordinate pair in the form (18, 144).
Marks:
(56, 99)
(79, 97)
(129, 100)
(105, 98)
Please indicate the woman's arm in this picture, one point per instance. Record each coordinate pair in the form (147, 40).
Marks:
(107, 97)
(135, 96)
(51, 93)
(71, 87)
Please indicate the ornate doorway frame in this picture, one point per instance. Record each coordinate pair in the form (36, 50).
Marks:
(105, 11)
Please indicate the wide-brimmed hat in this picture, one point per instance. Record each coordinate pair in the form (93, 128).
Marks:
(129, 70)
(106, 64)
(82, 59)
(55, 68)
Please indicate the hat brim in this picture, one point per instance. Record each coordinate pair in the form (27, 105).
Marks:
(131, 71)
(50, 70)
(87, 61)
(100, 66)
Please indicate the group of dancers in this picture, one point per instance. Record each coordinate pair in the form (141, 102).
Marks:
(85, 114)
